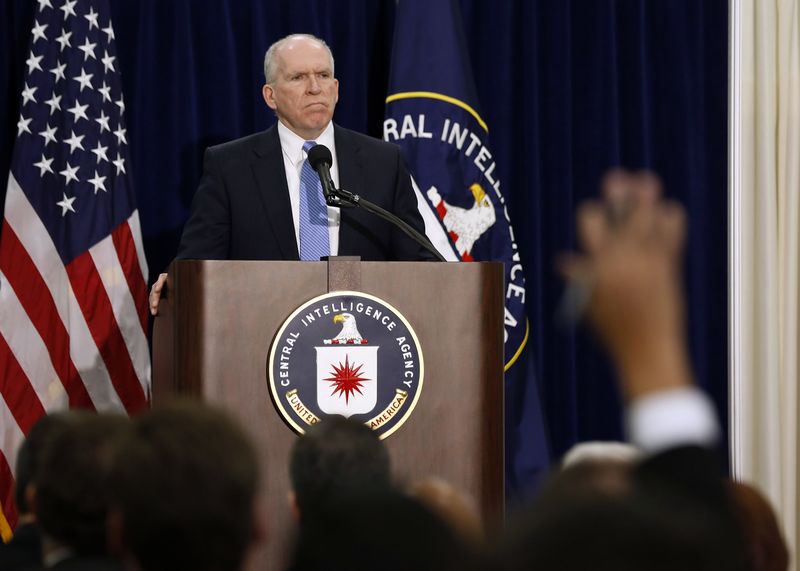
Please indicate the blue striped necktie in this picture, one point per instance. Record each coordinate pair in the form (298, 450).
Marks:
(314, 239)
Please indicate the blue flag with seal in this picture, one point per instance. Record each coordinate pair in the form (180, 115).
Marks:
(432, 113)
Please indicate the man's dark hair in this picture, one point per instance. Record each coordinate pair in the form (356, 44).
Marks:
(336, 456)
(30, 453)
(72, 480)
(590, 517)
(379, 529)
(185, 483)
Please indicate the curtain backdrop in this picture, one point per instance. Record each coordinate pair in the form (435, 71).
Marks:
(765, 261)
(570, 88)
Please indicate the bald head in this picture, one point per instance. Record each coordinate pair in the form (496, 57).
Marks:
(290, 42)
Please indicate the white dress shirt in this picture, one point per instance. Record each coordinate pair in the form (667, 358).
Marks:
(670, 418)
(293, 158)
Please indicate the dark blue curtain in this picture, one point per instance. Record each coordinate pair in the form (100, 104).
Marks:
(569, 88)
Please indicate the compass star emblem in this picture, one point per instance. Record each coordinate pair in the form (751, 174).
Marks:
(346, 379)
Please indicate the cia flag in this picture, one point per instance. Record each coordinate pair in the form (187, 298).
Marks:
(432, 112)
(73, 299)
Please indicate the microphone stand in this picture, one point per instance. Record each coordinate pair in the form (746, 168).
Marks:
(340, 197)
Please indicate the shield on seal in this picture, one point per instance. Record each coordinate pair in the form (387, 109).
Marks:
(347, 379)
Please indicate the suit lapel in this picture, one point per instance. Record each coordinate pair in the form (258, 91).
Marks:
(270, 177)
(348, 155)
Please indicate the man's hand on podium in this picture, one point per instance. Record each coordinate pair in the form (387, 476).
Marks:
(155, 293)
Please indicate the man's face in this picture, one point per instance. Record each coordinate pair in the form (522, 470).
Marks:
(303, 92)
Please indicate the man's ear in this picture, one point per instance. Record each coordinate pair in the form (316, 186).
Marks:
(291, 499)
(269, 96)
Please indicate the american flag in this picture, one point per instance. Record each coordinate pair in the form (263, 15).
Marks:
(73, 298)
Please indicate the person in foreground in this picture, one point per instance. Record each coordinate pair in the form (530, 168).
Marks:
(336, 456)
(72, 491)
(184, 489)
(24, 551)
(259, 198)
(671, 510)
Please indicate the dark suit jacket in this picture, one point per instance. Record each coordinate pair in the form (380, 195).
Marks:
(241, 210)
(24, 551)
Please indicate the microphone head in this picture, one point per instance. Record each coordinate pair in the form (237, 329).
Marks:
(319, 155)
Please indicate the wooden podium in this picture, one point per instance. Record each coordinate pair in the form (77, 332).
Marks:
(217, 321)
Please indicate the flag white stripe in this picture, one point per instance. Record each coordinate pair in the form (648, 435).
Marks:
(105, 258)
(23, 219)
(11, 435)
(29, 350)
(136, 230)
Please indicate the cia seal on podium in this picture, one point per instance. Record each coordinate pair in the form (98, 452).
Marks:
(346, 353)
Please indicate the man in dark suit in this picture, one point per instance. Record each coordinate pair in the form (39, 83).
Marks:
(255, 200)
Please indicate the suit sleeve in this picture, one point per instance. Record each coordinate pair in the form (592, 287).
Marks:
(207, 233)
(405, 206)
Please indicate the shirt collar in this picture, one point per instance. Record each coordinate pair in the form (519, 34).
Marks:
(292, 144)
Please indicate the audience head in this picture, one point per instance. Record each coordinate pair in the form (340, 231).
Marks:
(72, 479)
(185, 486)
(605, 516)
(30, 455)
(763, 541)
(600, 451)
(377, 529)
(453, 506)
(336, 456)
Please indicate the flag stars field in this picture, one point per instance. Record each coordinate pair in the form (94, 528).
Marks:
(103, 122)
(33, 63)
(49, 135)
(91, 82)
(70, 173)
(92, 18)
(44, 165)
(88, 50)
(69, 8)
(63, 40)
(78, 111)
(85, 79)
(38, 32)
(98, 182)
(58, 72)
(66, 204)
(100, 152)
(27, 95)
(108, 61)
(74, 142)
(54, 103)
(22, 125)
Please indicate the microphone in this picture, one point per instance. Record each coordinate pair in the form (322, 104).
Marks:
(320, 159)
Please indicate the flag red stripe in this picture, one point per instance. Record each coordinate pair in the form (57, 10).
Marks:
(22, 400)
(37, 301)
(7, 493)
(128, 259)
(96, 307)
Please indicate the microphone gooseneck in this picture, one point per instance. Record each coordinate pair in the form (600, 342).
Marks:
(320, 159)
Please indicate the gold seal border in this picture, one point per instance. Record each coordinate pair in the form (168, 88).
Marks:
(274, 345)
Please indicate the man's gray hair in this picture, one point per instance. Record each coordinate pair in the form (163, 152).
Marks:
(270, 65)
